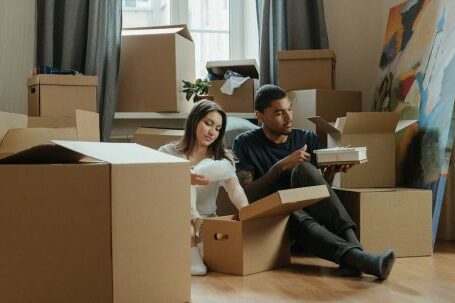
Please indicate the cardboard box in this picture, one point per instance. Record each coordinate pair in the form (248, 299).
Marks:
(61, 95)
(156, 137)
(242, 100)
(328, 104)
(259, 240)
(341, 155)
(19, 132)
(376, 131)
(89, 231)
(398, 218)
(306, 69)
(153, 63)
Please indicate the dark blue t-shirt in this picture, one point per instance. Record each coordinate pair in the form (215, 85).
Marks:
(257, 154)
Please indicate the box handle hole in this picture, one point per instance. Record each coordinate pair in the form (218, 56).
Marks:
(32, 90)
(221, 237)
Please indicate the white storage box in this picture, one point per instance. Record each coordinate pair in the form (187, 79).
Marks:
(341, 155)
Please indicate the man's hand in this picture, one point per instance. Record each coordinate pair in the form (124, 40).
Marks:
(293, 159)
(197, 179)
(329, 172)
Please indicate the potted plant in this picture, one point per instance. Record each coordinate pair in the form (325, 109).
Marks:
(199, 89)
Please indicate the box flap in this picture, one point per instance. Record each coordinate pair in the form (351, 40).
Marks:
(306, 54)
(52, 79)
(180, 29)
(159, 131)
(370, 122)
(324, 125)
(42, 154)
(88, 126)
(11, 120)
(247, 68)
(119, 153)
(19, 139)
(283, 202)
(402, 124)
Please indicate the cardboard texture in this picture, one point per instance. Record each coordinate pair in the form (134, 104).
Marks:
(328, 104)
(61, 95)
(259, 240)
(156, 137)
(375, 131)
(306, 69)
(153, 63)
(398, 218)
(94, 230)
(41, 130)
(242, 100)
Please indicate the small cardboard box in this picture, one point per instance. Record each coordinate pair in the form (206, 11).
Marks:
(19, 132)
(153, 63)
(242, 100)
(374, 130)
(398, 218)
(341, 155)
(306, 69)
(259, 240)
(156, 137)
(88, 231)
(61, 95)
(326, 103)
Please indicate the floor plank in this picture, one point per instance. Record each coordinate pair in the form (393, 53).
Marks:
(418, 279)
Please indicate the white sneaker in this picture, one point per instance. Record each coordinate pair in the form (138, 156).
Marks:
(198, 267)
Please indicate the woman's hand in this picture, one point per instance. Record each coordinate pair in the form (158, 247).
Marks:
(197, 179)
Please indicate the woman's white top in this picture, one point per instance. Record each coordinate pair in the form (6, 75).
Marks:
(216, 171)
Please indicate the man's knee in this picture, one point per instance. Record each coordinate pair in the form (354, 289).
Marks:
(306, 174)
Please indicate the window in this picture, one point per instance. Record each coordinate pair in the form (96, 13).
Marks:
(215, 25)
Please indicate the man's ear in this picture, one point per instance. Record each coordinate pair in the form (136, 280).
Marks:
(259, 117)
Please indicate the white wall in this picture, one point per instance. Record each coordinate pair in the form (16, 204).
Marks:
(17, 49)
(356, 31)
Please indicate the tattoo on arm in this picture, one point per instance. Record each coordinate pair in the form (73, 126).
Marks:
(261, 187)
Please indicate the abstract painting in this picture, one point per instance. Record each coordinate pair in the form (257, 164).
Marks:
(417, 80)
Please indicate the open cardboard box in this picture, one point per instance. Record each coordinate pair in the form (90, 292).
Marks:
(19, 132)
(374, 130)
(242, 100)
(109, 230)
(258, 240)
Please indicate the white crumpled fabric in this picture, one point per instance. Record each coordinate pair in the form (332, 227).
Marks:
(212, 170)
(232, 83)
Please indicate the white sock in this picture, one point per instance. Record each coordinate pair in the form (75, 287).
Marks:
(198, 267)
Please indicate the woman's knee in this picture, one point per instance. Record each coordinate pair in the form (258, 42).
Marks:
(306, 174)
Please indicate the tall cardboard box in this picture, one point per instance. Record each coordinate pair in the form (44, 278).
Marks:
(94, 231)
(61, 95)
(258, 241)
(242, 100)
(153, 63)
(398, 218)
(156, 137)
(328, 104)
(376, 131)
(306, 69)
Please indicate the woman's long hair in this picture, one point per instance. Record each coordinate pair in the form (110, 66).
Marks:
(188, 141)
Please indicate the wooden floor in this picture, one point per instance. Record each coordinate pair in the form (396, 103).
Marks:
(418, 279)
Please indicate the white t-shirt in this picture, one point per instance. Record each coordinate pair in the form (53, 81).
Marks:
(205, 194)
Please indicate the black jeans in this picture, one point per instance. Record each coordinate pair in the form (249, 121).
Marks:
(318, 228)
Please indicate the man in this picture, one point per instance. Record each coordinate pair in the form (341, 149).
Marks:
(277, 157)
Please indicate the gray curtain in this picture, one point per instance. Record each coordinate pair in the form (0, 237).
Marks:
(288, 25)
(84, 35)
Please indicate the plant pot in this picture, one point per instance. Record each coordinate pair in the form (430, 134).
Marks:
(203, 97)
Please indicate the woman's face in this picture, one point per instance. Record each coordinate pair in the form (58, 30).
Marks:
(208, 128)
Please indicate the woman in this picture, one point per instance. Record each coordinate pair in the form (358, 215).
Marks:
(213, 166)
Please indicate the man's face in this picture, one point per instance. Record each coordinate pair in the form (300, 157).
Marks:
(277, 117)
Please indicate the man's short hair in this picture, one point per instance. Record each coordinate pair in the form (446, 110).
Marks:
(266, 94)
